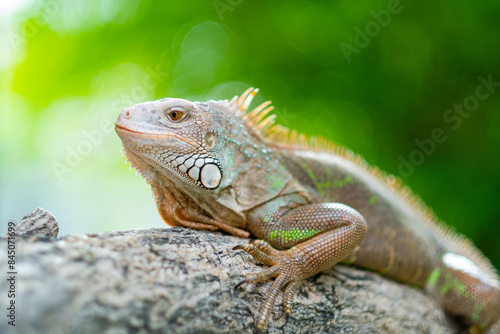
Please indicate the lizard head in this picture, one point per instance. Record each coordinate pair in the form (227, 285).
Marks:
(174, 136)
(214, 153)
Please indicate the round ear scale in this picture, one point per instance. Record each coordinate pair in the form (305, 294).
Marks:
(210, 176)
(202, 171)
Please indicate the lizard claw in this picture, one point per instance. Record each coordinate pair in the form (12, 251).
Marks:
(245, 281)
(238, 247)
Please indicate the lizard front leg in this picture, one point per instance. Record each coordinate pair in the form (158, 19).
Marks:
(178, 210)
(315, 236)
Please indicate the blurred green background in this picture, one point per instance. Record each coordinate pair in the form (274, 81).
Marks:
(374, 76)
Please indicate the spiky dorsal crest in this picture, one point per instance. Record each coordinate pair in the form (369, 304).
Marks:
(263, 125)
(255, 119)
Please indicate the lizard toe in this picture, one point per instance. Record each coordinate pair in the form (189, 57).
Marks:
(265, 247)
(272, 294)
(258, 254)
(288, 295)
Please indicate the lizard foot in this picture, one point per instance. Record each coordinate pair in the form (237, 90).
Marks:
(285, 267)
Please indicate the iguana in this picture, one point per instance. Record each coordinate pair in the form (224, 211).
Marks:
(311, 203)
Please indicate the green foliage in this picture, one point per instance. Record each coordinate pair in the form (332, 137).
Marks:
(69, 67)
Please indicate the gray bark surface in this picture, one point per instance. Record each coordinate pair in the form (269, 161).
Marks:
(38, 222)
(178, 280)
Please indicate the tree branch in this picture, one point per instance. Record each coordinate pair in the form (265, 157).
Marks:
(178, 280)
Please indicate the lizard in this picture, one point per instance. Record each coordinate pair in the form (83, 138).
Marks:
(310, 203)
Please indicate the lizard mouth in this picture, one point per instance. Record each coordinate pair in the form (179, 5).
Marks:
(159, 137)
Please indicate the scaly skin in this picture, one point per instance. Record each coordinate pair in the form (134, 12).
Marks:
(214, 166)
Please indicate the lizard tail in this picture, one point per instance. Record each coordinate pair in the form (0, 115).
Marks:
(462, 288)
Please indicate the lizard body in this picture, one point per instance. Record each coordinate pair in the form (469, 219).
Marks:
(214, 165)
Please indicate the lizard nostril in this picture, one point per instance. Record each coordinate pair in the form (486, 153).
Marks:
(126, 114)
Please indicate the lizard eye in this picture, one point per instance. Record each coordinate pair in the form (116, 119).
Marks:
(176, 114)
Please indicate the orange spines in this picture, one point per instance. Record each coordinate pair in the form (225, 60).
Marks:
(252, 114)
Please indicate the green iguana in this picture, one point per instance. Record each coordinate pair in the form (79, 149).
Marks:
(216, 166)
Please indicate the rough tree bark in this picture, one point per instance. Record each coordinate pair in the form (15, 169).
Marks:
(178, 280)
